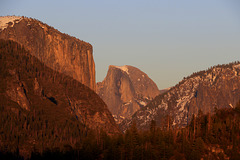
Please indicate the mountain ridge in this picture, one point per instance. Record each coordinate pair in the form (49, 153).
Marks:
(204, 90)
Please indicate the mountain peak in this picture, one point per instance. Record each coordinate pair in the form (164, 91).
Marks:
(125, 90)
(123, 68)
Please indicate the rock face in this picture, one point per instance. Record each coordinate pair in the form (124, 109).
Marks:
(125, 90)
(16, 91)
(27, 84)
(58, 51)
(216, 87)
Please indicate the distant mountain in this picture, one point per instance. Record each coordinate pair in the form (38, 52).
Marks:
(41, 108)
(217, 87)
(58, 51)
(125, 90)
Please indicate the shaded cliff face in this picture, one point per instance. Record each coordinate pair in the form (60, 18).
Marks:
(217, 87)
(58, 51)
(125, 90)
(28, 85)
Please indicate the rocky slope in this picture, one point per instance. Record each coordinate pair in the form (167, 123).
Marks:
(58, 51)
(216, 87)
(125, 90)
(27, 84)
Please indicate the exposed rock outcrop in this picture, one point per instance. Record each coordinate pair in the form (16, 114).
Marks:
(218, 87)
(58, 51)
(16, 91)
(125, 90)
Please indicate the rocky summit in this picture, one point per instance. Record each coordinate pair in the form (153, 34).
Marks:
(217, 87)
(125, 90)
(61, 52)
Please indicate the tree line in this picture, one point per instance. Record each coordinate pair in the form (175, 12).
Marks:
(207, 136)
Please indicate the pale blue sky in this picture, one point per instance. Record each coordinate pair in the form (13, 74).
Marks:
(166, 39)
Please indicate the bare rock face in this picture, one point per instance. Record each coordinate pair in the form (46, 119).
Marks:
(58, 51)
(125, 90)
(16, 91)
(217, 87)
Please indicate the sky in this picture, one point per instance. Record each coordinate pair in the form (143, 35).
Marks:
(168, 40)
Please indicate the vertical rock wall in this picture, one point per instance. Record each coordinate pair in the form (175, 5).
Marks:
(58, 51)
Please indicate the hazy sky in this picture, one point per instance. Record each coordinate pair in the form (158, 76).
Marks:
(167, 39)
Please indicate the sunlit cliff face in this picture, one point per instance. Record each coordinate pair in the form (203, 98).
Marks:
(58, 51)
(125, 90)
